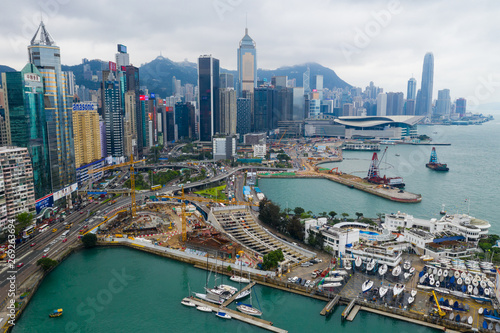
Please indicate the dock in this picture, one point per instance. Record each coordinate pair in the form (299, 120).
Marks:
(353, 313)
(410, 320)
(328, 308)
(230, 300)
(267, 325)
(348, 309)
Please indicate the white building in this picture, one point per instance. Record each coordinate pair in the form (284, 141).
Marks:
(336, 238)
(224, 148)
(259, 151)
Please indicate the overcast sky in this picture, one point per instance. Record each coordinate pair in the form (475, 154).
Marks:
(363, 41)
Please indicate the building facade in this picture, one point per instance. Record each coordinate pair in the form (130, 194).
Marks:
(208, 96)
(86, 131)
(424, 100)
(113, 116)
(247, 64)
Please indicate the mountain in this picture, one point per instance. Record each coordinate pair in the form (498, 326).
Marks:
(4, 69)
(157, 74)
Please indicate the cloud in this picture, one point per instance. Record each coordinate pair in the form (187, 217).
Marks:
(461, 34)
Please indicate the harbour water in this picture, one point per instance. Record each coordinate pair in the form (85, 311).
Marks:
(124, 290)
(472, 184)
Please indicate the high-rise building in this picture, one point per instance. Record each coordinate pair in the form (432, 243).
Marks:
(102, 131)
(226, 81)
(411, 91)
(17, 183)
(46, 56)
(184, 122)
(424, 102)
(133, 84)
(461, 106)
(244, 116)
(319, 86)
(113, 115)
(224, 148)
(314, 108)
(130, 125)
(263, 109)
(395, 103)
(381, 104)
(227, 119)
(247, 64)
(443, 103)
(409, 107)
(4, 123)
(208, 96)
(27, 123)
(122, 57)
(306, 81)
(348, 109)
(298, 103)
(86, 133)
(279, 82)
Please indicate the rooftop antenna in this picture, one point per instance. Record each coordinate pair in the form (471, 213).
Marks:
(246, 23)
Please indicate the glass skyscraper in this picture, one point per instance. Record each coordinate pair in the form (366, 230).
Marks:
(28, 126)
(208, 96)
(424, 100)
(247, 64)
(411, 92)
(113, 114)
(46, 56)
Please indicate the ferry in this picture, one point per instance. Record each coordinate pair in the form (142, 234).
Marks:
(56, 313)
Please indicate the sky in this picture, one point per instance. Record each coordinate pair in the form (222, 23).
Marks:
(362, 41)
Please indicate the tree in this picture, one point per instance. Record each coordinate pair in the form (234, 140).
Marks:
(154, 153)
(89, 240)
(329, 249)
(323, 214)
(332, 214)
(23, 220)
(358, 215)
(298, 210)
(272, 259)
(229, 269)
(380, 216)
(269, 213)
(320, 240)
(283, 157)
(345, 215)
(295, 229)
(311, 240)
(46, 263)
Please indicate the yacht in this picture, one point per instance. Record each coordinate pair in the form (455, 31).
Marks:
(383, 269)
(203, 308)
(382, 291)
(188, 303)
(367, 285)
(248, 309)
(396, 271)
(239, 279)
(223, 315)
(398, 288)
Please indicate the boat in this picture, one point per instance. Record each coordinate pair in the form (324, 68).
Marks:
(243, 294)
(437, 284)
(442, 212)
(413, 293)
(485, 325)
(370, 265)
(382, 291)
(374, 176)
(470, 289)
(358, 262)
(469, 320)
(188, 303)
(334, 279)
(248, 309)
(406, 275)
(445, 273)
(203, 308)
(412, 270)
(475, 283)
(367, 285)
(475, 291)
(487, 292)
(383, 269)
(440, 272)
(239, 279)
(396, 154)
(223, 315)
(396, 271)
(397, 289)
(338, 272)
(456, 274)
(434, 164)
(56, 313)
(480, 299)
(331, 285)
(480, 311)
(406, 265)
(421, 286)
(459, 281)
(210, 298)
(483, 284)
(452, 315)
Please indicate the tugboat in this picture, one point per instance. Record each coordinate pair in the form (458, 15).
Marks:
(56, 313)
(434, 164)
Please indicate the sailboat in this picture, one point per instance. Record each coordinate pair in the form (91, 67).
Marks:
(382, 291)
(358, 262)
(240, 279)
(248, 308)
(367, 285)
(383, 269)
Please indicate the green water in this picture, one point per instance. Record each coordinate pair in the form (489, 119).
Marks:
(148, 299)
(472, 159)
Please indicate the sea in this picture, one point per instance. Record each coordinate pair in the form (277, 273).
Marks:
(124, 290)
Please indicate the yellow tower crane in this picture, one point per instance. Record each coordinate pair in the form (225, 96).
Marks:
(183, 199)
(132, 177)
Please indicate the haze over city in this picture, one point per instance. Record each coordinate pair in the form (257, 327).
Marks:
(380, 41)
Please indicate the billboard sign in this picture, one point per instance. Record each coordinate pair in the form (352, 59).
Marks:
(46, 201)
(122, 48)
(153, 95)
(84, 106)
(32, 77)
(65, 191)
(112, 66)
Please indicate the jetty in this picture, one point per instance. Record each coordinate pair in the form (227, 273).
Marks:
(267, 325)
(328, 307)
(230, 300)
(348, 309)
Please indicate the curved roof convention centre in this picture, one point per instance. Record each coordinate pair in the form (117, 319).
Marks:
(372, 121)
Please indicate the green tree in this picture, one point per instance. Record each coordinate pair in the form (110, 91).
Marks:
(295, 229)
(358, 215)
(269, 213)
(320, 240)
(154, 154)
(329, 249)
(89, 240)
(23, 220)
(380, 216)
(298, 210)
(46, 263)
(272, 259)
(311, 240)
(345, 215)
(283, 157)
(332, 214)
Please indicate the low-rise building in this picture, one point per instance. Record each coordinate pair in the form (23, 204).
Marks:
(338, 239)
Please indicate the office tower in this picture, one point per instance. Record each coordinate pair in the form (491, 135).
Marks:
(113, 115)
(409, 109)
(443, 103)
(461, 106)
(424, 102)
(226, 81)
(244, 115)
(86, 133)
(319, 86)
(170, 124)
(247, 64)
(132, 80)
(263, 109)
(395, 103)
(279, 82)
(122, 57)
(46, 56)
(17, 183)
(71, 83)
(306, 80)
(189, 93)
(314, 108)
(348, 109)
(4, 123)
(227, 119)
(381, 104)
(291, 83)
(224, 148)
(282, 106)
(298, 103)
(152, 120)
(208, 96)
(176, 87)
(144, 116)
(184, 114)
(27, 123)
(130, 125)
(412, 89)
(102, 131)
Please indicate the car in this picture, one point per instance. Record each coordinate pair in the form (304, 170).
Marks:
(54, 230)
(319, 260)
(65, 240)
(303, 282)
(47, 249)
(44, 256)
(21, 264)
(81, 212)
(32, 244)
(308, 283)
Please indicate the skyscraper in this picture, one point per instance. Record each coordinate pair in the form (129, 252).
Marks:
(306, 80)
(122, 57)
(46, 56)
(247, 64)
(130, 125)
(227, 119)
(412, 89)
(113, 115)
(395, 102)
(244, 115)
(381, 104)
(443, 103)
(132, 80)
(208, 96)
(424, 103)
(461, 106)
(86, 133)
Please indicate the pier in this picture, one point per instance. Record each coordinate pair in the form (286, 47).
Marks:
(348, 309)
(328, 308)
(267, 325)
(230, 300)
(353, 313)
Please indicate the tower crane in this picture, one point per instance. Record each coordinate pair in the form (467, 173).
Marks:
(183, 199)
(132, 178)
(440, 312)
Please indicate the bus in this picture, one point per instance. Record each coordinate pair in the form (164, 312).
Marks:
(28, 231)
(65, 233)
(156, 187)
(44, 227)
